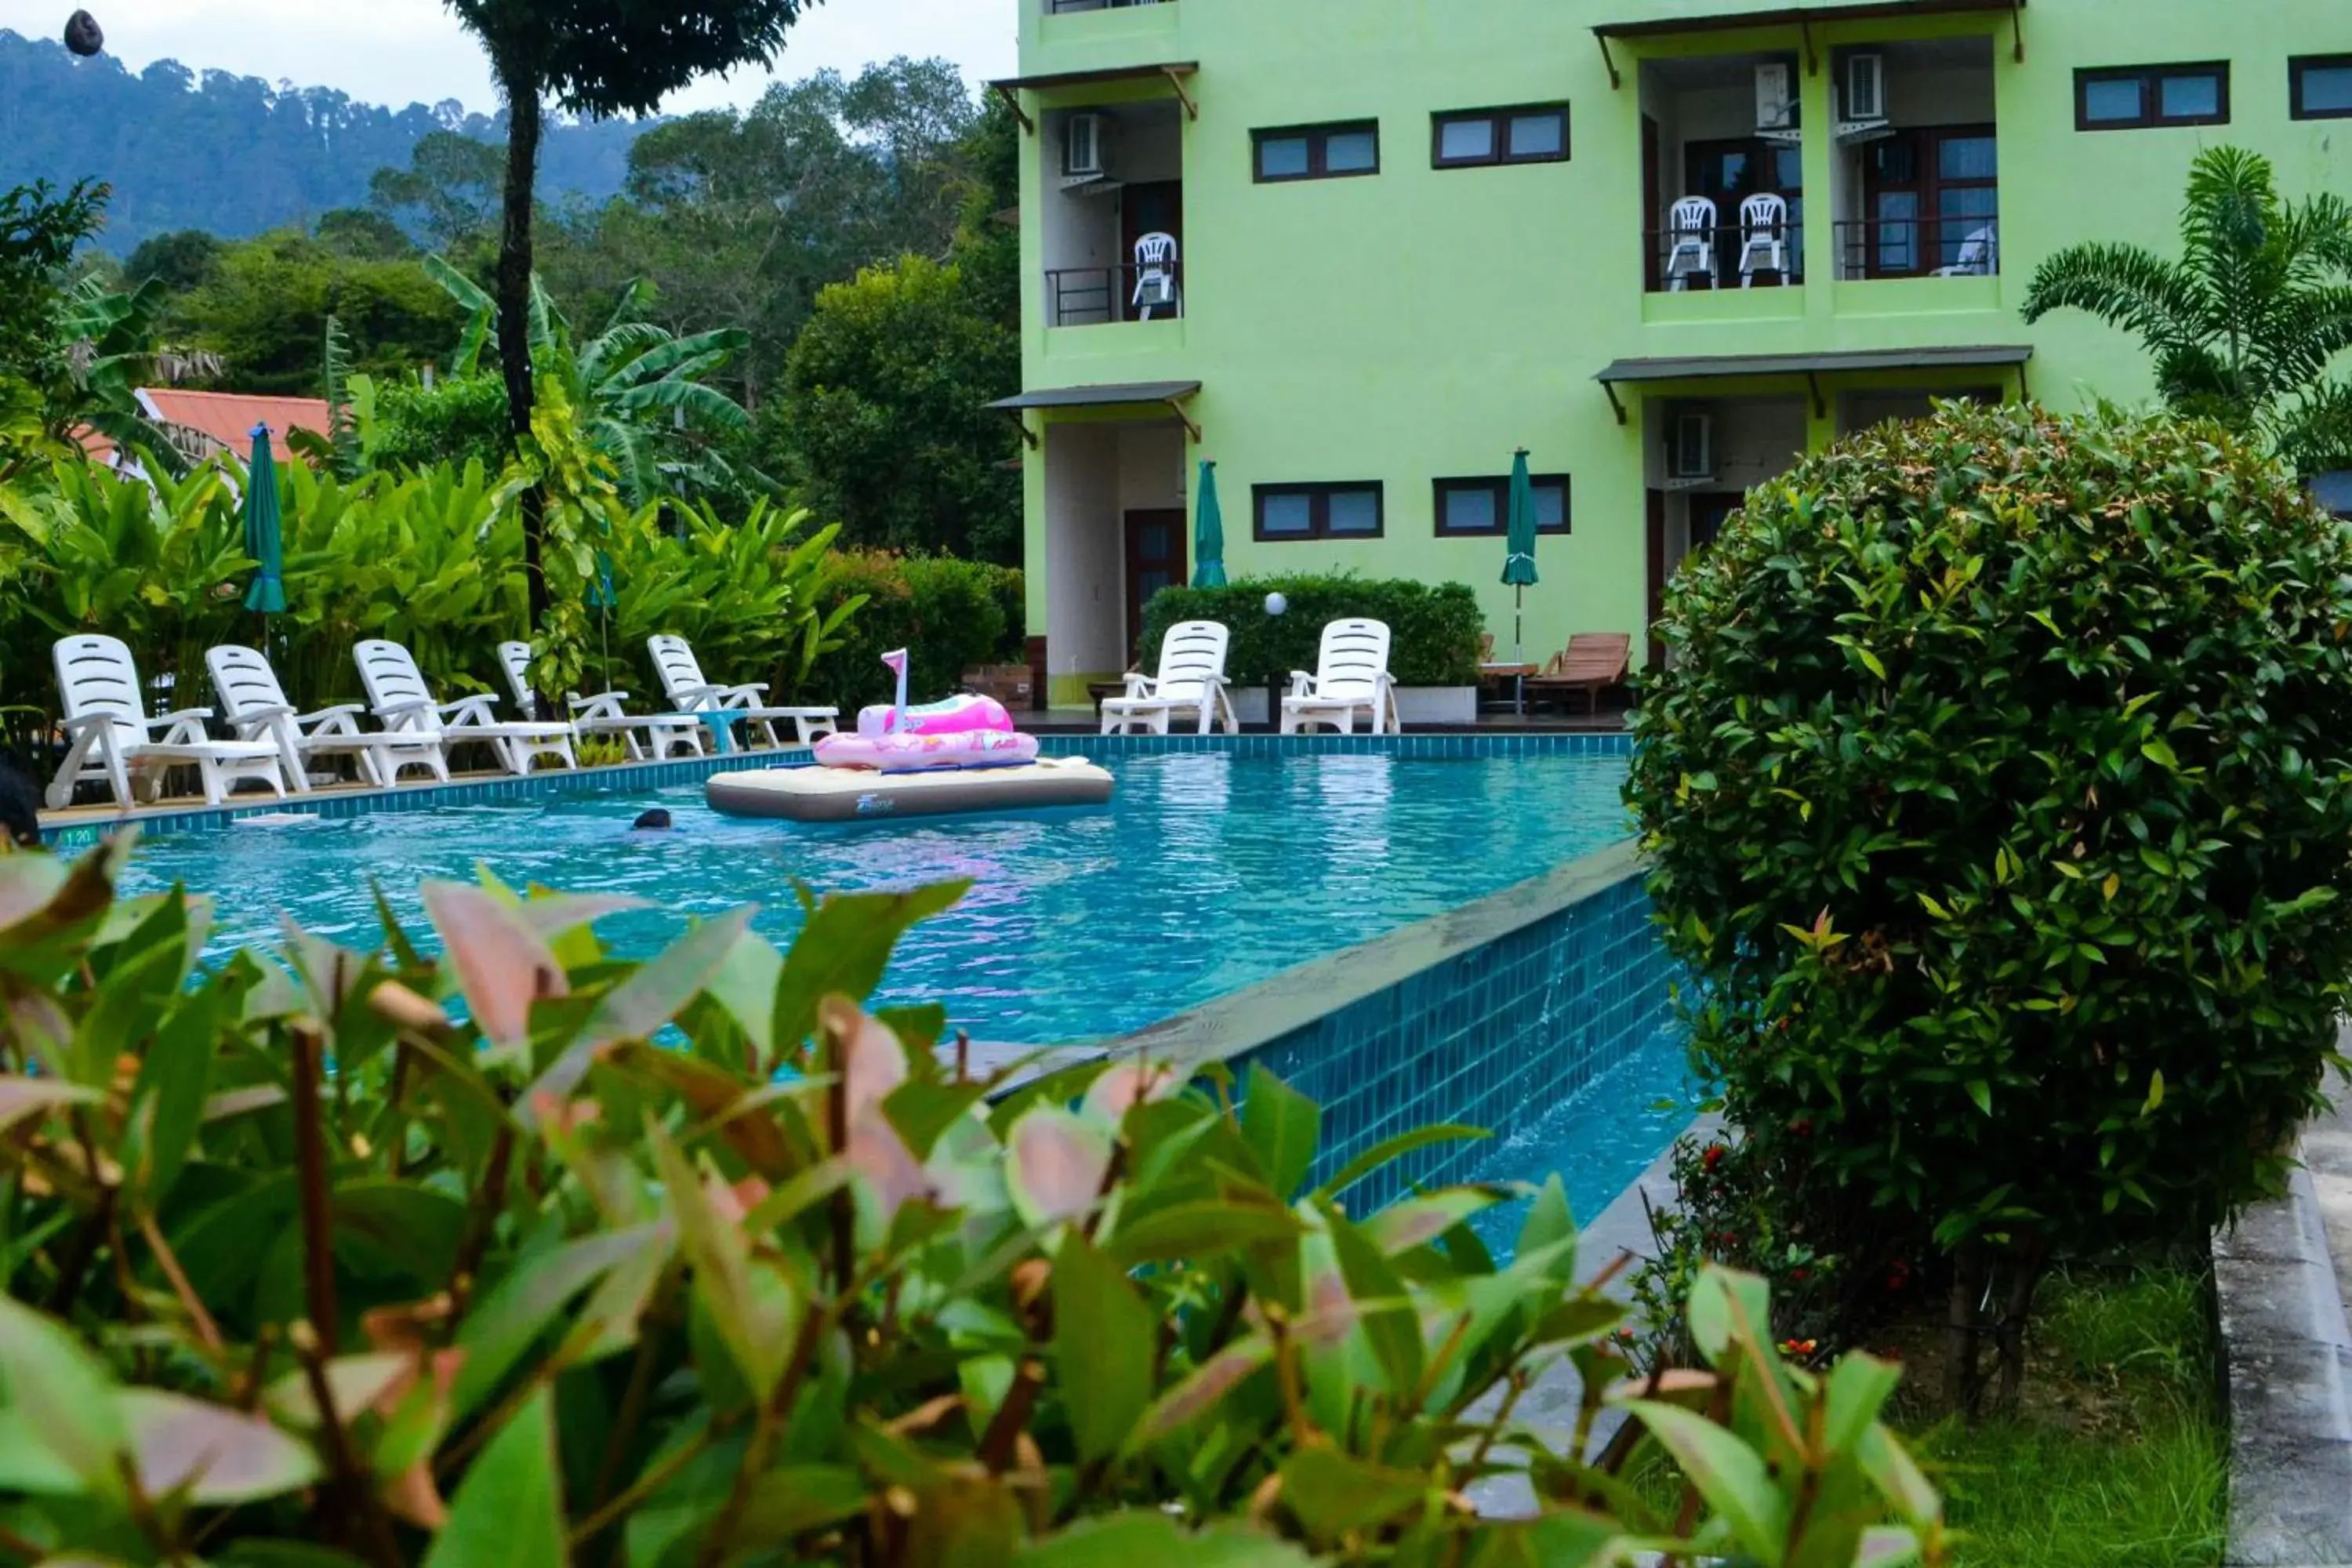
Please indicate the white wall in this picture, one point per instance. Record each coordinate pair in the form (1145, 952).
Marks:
(1757, 439)
(1079, 230)
(1083, 598)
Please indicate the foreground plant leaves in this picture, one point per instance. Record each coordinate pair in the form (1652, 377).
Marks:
(593, 1273)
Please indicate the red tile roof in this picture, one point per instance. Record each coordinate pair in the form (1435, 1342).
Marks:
(228, 418)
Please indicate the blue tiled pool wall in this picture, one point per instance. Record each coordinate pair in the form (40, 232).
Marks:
(638, 778)
(1495, 1037)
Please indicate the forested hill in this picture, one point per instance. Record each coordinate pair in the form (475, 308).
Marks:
(232, 154)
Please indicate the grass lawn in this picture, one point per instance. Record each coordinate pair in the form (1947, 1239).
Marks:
(2117, 1456)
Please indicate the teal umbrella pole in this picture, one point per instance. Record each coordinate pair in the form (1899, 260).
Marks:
(1519, 565)
(1209, 533)
(264, 537)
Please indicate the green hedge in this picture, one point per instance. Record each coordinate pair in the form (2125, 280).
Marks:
(949, 614)
(1436, 626)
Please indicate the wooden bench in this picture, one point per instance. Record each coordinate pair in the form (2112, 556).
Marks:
(1593, 662)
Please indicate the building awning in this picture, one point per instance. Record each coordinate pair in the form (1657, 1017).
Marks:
(1173, 71)
(1812, 367)
(1108, 394)
(1804, 16)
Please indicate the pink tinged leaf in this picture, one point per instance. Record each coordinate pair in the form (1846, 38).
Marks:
(23, 1097)
(214, 1454)
(503, 966)
(1216, 1377)
(28, 884)
(877, 1152)
(552, 914)
(355, 1382)
(1056, 1166)
(874, 1060)
(42, 1027)
(1128, 1084)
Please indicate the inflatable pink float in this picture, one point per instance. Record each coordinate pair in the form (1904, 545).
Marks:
(960, 732)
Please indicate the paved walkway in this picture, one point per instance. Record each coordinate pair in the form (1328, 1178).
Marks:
(2282, 1275)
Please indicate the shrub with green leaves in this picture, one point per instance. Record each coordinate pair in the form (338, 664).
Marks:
(1435, 625)
(949, 616)
(1999, 795)
(521, 1255)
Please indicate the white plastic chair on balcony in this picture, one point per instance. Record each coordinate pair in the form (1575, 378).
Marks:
(1763, 231)
(106, 720)
(686, 691)
(255, 707)
(1690, 226)
(602, 714)
(1192, 680)
(1351, 672)
(397, 693)
(1155, 277)
(1979, 256)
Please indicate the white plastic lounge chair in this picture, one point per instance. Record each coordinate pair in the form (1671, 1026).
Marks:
(603, 715)
(105, 719)
(686, 691)
(1191, 678)
(398, 696)
(255, 707)
(1352, 672)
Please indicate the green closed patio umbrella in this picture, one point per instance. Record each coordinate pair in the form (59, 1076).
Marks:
(263, 539)
(1209, 533)
(1519, 565)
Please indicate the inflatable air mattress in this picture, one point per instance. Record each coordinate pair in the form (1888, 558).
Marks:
(845, 794)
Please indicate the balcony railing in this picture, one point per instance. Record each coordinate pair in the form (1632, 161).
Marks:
(1690, 259)
(1057, 7)
(1919, 247)
(1092, 296)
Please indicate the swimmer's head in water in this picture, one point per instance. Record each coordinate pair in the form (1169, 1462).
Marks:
(654, 820)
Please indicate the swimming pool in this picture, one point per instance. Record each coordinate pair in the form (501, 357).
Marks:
(1211, 871)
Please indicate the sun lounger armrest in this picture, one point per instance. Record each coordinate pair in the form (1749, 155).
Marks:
(340, 710)
(742, 696)
(1301, 683)
(185, 727)
(606, 705)
(404, 709)
(87, 721)
(468, 711)
(1138, 684)
(268, 714)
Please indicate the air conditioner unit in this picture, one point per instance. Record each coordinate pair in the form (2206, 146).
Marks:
(1082, 147)
(1865, 87)
(1692, 457)
(1776, 97)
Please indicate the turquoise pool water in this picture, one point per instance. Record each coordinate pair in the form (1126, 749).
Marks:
(1209, 872)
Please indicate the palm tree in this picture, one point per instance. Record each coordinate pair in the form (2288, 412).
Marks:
(2242, 326)
(636, 387)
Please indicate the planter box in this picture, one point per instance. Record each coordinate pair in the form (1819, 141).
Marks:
(1416, 705)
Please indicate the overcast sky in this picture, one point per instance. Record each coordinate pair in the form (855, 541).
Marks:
(397, 52)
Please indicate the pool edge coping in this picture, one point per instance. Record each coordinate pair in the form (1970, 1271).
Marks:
(1240, 1022)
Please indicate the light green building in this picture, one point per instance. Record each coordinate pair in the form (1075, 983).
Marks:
(1411, 236)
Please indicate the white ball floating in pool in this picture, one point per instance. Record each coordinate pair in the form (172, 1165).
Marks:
(1276, 604)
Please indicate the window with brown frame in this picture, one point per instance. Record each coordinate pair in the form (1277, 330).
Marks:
(2319, 87)
(1929, 194)
(1478, 509)
(1350, 508)
(1336, 152)
(1481, 138)
(2141, 98)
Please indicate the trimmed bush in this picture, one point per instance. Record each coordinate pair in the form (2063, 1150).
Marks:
(950, 614)
(2000, 795)
(1436, 626)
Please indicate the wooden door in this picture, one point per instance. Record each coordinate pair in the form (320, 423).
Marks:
(1156, 558)
(1656, 536)
(1155, 206)
(1654, 206)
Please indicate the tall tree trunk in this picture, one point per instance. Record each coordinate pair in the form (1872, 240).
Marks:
(514, 307)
